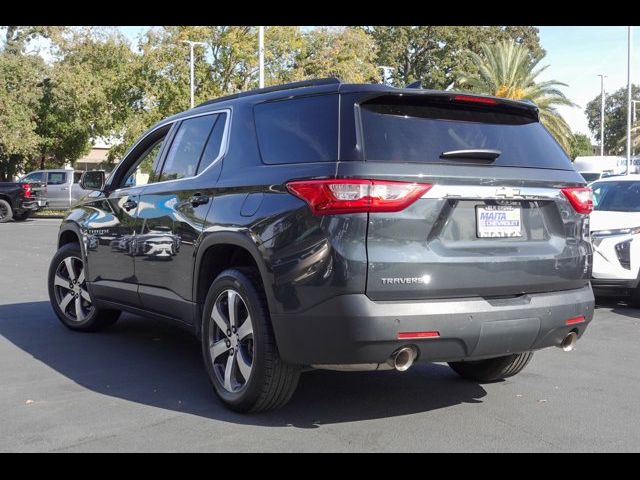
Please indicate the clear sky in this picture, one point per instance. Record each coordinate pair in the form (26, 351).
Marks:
(575, 56)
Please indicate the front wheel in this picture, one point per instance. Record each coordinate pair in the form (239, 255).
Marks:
(239, 347)
(69, 296)
(492, 369)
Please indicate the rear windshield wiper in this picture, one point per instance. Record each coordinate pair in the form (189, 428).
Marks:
(473, 154)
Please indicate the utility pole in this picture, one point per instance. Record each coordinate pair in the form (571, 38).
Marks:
(629, 36)
(261, 54)
(191, 45)
(602, 77)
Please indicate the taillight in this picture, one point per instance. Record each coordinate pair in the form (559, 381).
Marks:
(474, 99)
(580, 198)
(326, 197)
(27, 190)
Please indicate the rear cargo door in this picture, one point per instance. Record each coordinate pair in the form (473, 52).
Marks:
(495, 221)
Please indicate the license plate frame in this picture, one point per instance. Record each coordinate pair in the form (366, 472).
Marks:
(498, 221)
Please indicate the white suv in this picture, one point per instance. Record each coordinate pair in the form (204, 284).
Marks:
(615, 234)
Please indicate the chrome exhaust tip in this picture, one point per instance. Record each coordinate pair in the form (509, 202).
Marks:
(569, 342)
(404, 358)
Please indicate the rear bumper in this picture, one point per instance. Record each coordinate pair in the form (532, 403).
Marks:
(352, 329)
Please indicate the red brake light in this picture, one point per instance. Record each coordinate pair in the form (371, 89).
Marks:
(474, 99)
(326, 197)
(580, 198)
(574, 320)
(27, 190)
(412, 335)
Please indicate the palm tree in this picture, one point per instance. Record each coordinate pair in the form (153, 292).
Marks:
(506, 69)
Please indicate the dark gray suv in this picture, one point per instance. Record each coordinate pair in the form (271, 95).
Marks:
(336, 226)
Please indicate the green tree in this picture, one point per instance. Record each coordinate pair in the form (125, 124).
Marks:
(580, 146)
(87, 94)
(346, 53)
(20, 94)
(615, 119)
(506, 69)
(435, 55)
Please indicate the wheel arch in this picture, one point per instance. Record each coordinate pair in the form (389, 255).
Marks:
(219, 251)
(7, 198)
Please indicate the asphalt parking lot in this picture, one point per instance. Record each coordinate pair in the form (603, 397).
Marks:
(141, 386)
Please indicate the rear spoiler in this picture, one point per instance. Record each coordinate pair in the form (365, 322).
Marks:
(442, 99)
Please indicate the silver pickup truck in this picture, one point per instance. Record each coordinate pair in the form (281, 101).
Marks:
(61, 187)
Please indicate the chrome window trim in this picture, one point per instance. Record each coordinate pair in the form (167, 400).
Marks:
(486, 192)
(224, 146)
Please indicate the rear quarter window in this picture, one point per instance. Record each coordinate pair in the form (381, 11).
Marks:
(410, 130)
(298, 130)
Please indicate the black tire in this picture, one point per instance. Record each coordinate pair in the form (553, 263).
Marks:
(634, 297)
(271, 381)
(6, 212)
(492, 369)
(91, 318)
(22, 216)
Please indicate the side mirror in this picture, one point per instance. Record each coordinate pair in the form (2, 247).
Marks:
(92, 180)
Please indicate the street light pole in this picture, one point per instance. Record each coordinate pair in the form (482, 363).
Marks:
(602, 77)
(629, 36)
(261, 54)
(385, 69)
(191, 45)
(634, 121)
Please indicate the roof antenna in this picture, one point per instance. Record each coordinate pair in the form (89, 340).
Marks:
(417, 84)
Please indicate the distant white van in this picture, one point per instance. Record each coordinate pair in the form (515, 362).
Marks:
(595, 167)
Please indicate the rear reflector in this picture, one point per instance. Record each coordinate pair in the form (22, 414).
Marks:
(410, 335)
(326, 197)
(27, 190)
(580, 198)
(574, 320)
(474, 99)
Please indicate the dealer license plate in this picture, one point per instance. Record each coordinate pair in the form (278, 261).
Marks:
(496, 221)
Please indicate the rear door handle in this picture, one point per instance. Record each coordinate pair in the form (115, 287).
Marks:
(199, 199)
(129, 205)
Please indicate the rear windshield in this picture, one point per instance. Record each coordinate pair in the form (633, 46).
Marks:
(395, 131)
(623, 196)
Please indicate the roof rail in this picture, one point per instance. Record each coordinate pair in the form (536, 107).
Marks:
(275, 88)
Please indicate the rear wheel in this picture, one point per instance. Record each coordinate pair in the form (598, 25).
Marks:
(6, 213)
(69, 296)
(492, 369)
(239, 347)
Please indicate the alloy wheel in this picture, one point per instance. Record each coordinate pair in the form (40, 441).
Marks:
(231, 346)
(70, 289)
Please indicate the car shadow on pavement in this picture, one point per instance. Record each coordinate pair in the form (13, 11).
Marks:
(157, 364)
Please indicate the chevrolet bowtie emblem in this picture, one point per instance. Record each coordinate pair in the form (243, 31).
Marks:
(507, 192)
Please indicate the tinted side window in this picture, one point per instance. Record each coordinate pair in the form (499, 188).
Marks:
(76, 177)
(34, 177)
(214, 146)
(187, 146)
(299, 130)
(143, 171)
(56, 178)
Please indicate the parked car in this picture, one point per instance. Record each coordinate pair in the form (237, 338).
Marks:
(62, 187)
(615, 233)
(343, 227)
(17, 201)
